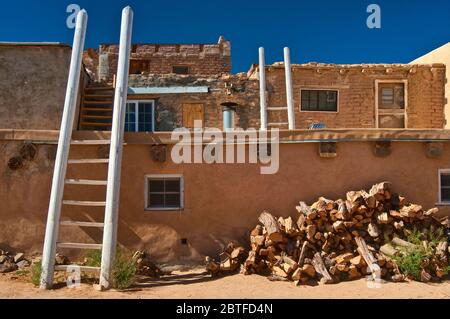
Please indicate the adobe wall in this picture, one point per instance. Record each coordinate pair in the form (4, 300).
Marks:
(356, 86)
(202, 59)
(222, 201)
(33, 81)
(440, 55)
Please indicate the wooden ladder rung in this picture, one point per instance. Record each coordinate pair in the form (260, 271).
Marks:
(83, 203)
(98, 102)
(86, 182)
(79, 245)
(89, 161)
(82, 268)
(97, 109)
(90, 142)
(95, 124)
(82, 224)
(99, 117)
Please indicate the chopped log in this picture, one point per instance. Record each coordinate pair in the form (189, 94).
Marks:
(353, 273)
(364, 251)
(384, 218)
(372, 229)
(388, 250)
(320, 268)
(411, 211)
(402, 243)
(306, 210)
(309, 270)
(344, 258)
(358, 261)
(339, 226)
(425, 276)
(269, 222)
(303, 253)
(257, 231)
(297, 275)
(278, 271)
(431, 212)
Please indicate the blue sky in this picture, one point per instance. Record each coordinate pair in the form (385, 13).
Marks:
(320, 30)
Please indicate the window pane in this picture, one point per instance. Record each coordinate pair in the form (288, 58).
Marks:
(173, 200)
(156, 185)
(322, 100)
(391, 121)
(445, 179)
(173, 185)
(156, 200)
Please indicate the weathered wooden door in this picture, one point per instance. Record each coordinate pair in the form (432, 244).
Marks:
(192, 112)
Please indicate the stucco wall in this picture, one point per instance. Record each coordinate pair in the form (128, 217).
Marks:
(222, 201)
(33, 81)
(440, 55)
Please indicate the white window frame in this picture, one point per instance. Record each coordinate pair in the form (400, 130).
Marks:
(377, 88)
(338, 91)
(160, 176)
(136, 109)
(440, 172)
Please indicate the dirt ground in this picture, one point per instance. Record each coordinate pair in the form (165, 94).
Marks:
(196, 283)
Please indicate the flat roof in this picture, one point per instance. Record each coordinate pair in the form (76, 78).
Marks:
(34, 44)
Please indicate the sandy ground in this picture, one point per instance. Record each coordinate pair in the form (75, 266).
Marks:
(197, 284)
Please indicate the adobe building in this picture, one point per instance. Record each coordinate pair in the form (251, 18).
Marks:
(440, 55)
(379, 122)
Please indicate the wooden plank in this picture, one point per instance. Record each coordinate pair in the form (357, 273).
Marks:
(83, 203)
(99, 117)
(85, 182)
(95, 124)
(79, 246)
(82, 224)
(82, 268)
(89, 161)
(192, 112)
(97, 109)
(98, 102)
(90, 142)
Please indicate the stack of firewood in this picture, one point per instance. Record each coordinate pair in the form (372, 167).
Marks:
(231, 258)
(332, 241)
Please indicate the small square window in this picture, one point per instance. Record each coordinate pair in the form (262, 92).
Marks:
(180, 69)
(164, 192)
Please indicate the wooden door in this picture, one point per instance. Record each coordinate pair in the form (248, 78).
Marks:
(192, 112)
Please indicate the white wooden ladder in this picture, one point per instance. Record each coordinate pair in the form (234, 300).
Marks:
(112, 183)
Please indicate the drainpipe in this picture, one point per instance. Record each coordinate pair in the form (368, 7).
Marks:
(289, 90)
(115, 152)
(62, 154)
(262, 90)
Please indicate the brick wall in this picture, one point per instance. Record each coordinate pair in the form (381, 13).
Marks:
(356, 87)
(201, 59)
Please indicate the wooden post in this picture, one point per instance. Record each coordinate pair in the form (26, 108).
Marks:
(262, 90)
(62, 154)
(115, 153)
(289, 89)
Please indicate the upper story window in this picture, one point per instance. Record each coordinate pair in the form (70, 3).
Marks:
(319, 100)
(140, 116)
(137, 66)
(444, 186)
(391, 107)
(180, 69)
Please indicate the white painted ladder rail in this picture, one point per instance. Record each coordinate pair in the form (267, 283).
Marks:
(115, 152)
(62, 154)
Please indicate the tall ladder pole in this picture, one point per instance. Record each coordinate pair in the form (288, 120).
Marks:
(115, 153)
(62, 154)
(262, 90)
(289, 89)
